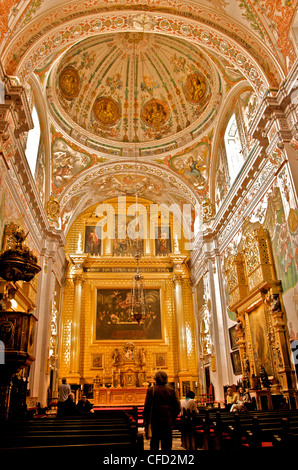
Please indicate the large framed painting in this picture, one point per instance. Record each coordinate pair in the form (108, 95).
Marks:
(162, 240)
(260, 347)
(125, 241)
(93, 239)
(113, 320)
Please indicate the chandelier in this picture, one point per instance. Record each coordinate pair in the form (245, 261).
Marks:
(138, 298)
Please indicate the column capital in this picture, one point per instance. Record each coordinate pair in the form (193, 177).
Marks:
(78, 279)
(177, 279)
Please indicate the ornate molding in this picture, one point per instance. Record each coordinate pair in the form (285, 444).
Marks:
(192, 26)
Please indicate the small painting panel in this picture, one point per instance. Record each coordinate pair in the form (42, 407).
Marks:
(96, 361)
(162, 240)
(236, 363)
(126, 241)
(233, 337)
(93, 239)
(161, 360)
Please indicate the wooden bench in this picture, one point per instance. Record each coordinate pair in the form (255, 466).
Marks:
(223, 430)
(104, 430)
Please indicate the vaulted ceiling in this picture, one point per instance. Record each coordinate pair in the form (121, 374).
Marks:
(131, 93)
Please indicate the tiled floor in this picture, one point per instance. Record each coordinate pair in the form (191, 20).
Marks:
(176, 441)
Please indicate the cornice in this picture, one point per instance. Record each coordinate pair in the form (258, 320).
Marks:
(17, 119)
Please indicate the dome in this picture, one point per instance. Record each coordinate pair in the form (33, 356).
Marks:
(133, 88)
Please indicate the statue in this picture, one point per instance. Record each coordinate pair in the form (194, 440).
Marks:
(142, 356)
(275, 303)
(255, 382)
(116, 356)
(264, 378)
(246, 371)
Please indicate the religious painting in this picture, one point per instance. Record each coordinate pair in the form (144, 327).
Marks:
(283, 232)
(69, 83)
(161, 360)
(155, 113)
(260, 346)
(93, 239)
(193, 165)
(106, 111)
(113, 316)
(233, 337)
(185, 387)
(195, 87)
(129, 352)
(96, 361)
(127, 241)
(236, 363)
(162, 240)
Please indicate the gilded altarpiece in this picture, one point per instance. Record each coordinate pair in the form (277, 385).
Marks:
(262, 335)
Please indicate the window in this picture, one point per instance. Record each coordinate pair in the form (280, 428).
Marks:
(33, 142)
(2, 92)
(233, 149)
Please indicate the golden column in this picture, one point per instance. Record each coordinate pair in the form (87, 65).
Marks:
(78, 281)
(178, 279)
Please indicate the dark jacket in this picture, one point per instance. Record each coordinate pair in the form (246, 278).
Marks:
(165, 406)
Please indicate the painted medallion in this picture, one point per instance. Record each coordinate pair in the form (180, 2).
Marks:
(155, 113)
(106, 111)
(195, 87)
(69, 83)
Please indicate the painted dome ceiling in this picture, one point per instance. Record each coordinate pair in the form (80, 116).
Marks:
(133, 88)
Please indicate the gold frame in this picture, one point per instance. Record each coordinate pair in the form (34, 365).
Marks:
(158, 363)
(94, 367)
(127, 284)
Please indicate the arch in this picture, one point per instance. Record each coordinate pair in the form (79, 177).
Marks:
(234, 94)
(43, 119)
(101, 172)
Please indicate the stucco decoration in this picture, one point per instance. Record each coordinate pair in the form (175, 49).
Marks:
(106, 111)
(67, 162)
(69, 83)
(238, 21)
(133, 87)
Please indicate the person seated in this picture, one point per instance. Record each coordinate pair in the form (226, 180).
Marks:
(231, 398)
(84, 405)
(242, 399)
(69, 406)
(189, 402)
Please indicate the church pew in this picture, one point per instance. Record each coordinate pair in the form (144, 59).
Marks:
(216, 429)
(108, 429)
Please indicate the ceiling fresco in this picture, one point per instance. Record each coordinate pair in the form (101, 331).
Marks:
(133, 87)
(150, 80)
(266, 22)
(122, 180)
